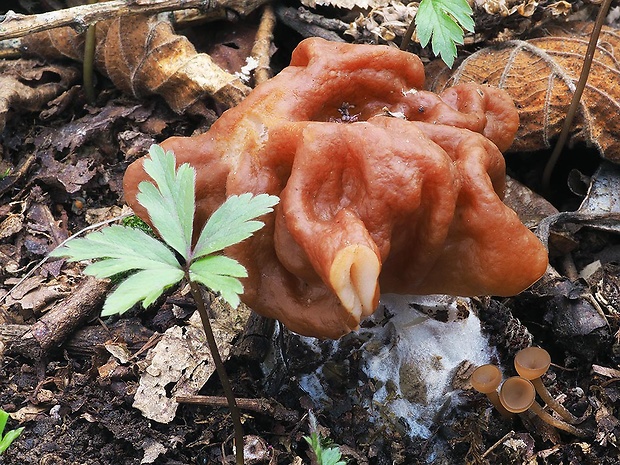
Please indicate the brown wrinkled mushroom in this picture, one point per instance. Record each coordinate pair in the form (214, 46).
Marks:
(369, 202)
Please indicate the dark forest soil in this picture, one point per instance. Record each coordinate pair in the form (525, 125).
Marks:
(64, 170)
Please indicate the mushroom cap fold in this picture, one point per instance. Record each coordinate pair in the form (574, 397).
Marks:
(369, 202)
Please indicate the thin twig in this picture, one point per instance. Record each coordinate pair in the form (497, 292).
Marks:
(219, 367)
(262, 45)
(574, 104)
(263, 406)
(507, 436)
(13, 25)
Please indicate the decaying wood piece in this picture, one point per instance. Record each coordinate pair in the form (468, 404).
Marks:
(255, 342)
(127, 331)
(552, 65)
(13, 25)
(299, 20)
(54, 327)
(142, 55)
(264, 406)
(87, 340)
(263, 45)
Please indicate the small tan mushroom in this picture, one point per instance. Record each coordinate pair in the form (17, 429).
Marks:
(532, 363)
(486, 379)
(518, 395)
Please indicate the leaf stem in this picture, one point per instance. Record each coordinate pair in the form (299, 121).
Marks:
(574, 104)
(219, 366)
(404, 44)
(89, 61)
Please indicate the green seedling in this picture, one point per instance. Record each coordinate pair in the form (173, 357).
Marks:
(442, 22)
(10, 436)
(157, 265)
(325, 454)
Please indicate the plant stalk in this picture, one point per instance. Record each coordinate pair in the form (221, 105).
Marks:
(88, 64)
(574, 104)
(219, 367)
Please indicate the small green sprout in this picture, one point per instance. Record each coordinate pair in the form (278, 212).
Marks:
(155, 266)
(134, 221)
(325, 455)
(443, 21)
(10, 436)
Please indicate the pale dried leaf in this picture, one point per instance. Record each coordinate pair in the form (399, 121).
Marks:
(143, 56)
(383, 24)
(182, 358)
(98, 215)
(152, 450)
(27, 413)
(602, 196)
(12, 224)
(606, 371)
(541, 75)
(524, 8)
(346, 4)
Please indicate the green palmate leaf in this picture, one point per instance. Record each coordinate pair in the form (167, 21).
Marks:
(324, 455)
(145, 286)
(443, 21)
(220, 274)
(171, 203)
(3, 419)
(233, 222)
(331, 456)
(131, 249)
(9, 437)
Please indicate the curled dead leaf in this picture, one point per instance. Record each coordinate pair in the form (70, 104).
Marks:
(541, 74)
(29, 85)
(143, 56)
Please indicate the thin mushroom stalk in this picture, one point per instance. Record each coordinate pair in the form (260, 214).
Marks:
(518, 395)
(532, 363)
(486, 379)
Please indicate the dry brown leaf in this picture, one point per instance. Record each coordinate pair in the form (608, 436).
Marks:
(541, 75)
(29, 85)
(70, 176)
(143, 56)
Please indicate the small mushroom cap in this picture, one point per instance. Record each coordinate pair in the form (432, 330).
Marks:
(517, 394)
(486, 378)
(532, 362)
